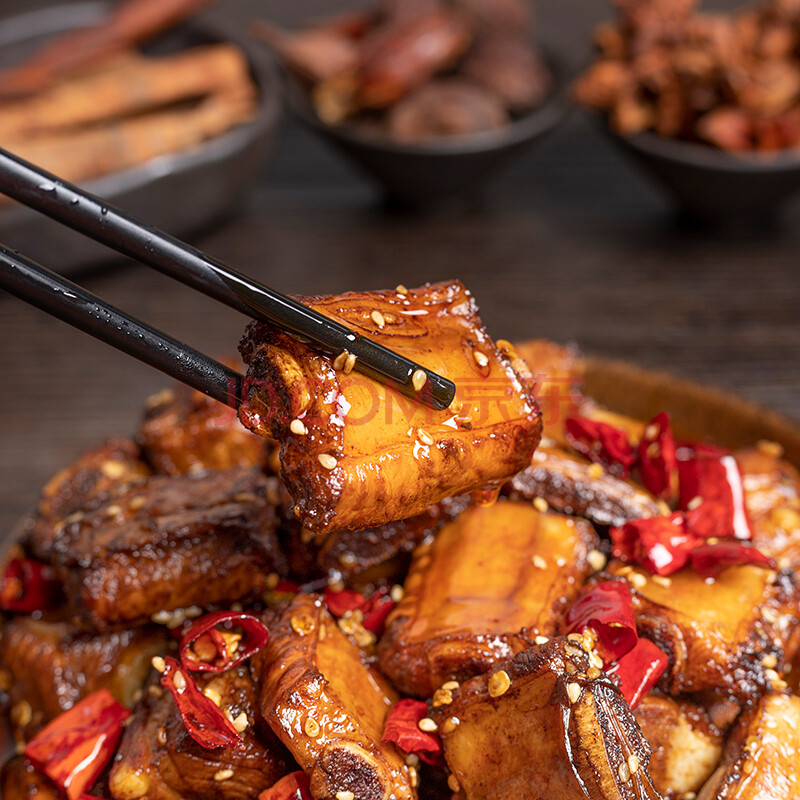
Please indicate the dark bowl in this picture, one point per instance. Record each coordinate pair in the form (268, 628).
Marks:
(426, 173)
(180, 193)
(711, 184)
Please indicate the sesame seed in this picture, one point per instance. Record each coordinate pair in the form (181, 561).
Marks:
(241, 722)
(664, 509)
(297, 427)
(76, 517)
(638, 580)
(113, 469)
(770, 661)
(272, 580)
(349, 363)
(748, 767)
(450, 724)
(442, 697)
(213, 695)
(412, 760)
(338, 362)
(694, 503)
(573, 692)
(136, 503)
(179, 681)
(345, 795)
(539, 562)
(651, 431)
(596, 559)
(451, 685)
(427, 724)
(624, 772)
(662, 580)
(302, 624)
(223, 775)
(419, 379)
(540, 504)
(396, 593)
(594, 471)
(162, 736)
(378, 319)
(155, 691)
(575, 637)
(113, 511)
(424, 436)
(633, 764)
(161, 617)
(158, 663)
(400, 289)
(595, 660)
(541, 639)
(481, 359)
(770, 448)
(593, 673)
(327, 460)
(453, 784)
(499, 683)
(311, 728)
(413, 778)
(21, 713)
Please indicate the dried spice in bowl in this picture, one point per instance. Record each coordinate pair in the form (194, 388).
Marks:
(729, 80)
(419, 70)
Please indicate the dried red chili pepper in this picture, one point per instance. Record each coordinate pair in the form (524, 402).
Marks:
(294, 786)
(658, 466)
(340, 602)
(205, 648)
(607, 608)
(600, 442)
(639, 670)
(402, 728)
(712, 494)
(73, 749)
(379, 606)
(204, 720)
(28, 586)
(662, 545)
(375, 608)
(708, 560)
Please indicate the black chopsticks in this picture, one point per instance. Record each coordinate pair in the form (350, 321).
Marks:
(71, 303)
(95, 218)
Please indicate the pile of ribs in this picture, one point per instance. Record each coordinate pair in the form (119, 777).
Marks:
(340, 593)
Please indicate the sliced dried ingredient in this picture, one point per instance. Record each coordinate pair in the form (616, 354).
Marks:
(639, 670)
(213, 643)
(712, 493)
(27, 586)
(204, 720)
(708, 560)
(662, 545)
(402, 728)
(607, 609)
(293, 786)
(73, 749)
(656, 458)
(602, 443)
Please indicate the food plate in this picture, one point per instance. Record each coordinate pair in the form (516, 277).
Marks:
(214, 174)
(297, 651)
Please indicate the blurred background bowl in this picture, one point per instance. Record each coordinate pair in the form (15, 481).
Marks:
(181, 193)
(712, 185)
(430, 172)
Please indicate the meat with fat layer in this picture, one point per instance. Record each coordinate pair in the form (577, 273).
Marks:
(484, 589)
(50, 666)
(539, 728)
(165, 544)
(328, 707)
(573, 485)
(356, 453)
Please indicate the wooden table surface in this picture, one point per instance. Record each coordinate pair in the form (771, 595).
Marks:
(572, 243)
